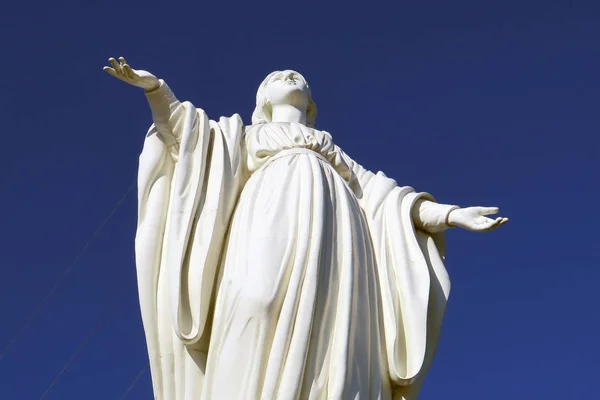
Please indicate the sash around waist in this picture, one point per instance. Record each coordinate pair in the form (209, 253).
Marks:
(294, 151)
(351, 181)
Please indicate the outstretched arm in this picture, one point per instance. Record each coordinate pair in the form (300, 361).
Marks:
(428, 215)
(434, 217)
(166, 109)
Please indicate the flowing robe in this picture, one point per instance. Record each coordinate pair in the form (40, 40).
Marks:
(272, 266)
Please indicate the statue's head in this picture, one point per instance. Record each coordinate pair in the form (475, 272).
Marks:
(283, 87)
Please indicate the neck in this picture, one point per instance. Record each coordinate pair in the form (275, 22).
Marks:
(288, 113)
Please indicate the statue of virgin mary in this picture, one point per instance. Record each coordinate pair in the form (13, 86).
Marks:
(272, 266)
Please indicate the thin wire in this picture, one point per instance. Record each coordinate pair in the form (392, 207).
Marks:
(69, 268)
(85, 342)
(135, 380)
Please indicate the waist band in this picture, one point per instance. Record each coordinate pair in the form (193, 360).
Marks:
(297, 150)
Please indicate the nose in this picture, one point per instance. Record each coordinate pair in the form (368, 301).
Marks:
(289, 76)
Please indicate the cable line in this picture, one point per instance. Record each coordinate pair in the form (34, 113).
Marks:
(69, 268)
(135, 380)
(85, 342)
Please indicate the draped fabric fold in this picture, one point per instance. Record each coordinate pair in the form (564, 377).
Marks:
(414, 285)
(302, 270)
(187, 191)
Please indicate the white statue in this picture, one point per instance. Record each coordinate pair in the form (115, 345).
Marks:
(272, 266)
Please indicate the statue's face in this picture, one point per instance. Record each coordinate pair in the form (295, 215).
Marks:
(289, 88)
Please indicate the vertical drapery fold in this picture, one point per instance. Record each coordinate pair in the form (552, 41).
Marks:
(328, 289)
(187, 191)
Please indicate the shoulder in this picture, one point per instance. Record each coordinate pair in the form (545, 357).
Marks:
(230, 126)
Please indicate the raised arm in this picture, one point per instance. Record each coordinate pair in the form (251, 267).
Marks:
(166, 109)
(428, 215)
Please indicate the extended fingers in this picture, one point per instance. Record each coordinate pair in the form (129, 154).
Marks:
(116, 66)
(128, 71)
(500, 221)
(493, 223)
(111, 71)
(120, 69)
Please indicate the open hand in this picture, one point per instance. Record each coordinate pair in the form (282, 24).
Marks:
(474, 218)
(140, 78)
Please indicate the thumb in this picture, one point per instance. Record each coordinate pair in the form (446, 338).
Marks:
(488, 210)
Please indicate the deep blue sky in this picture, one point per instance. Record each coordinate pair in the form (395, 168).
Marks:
(476, 102)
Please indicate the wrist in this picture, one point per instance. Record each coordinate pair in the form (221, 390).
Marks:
(152, 88)
(451, 219)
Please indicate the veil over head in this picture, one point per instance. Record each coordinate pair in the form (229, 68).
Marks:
(263, 111)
